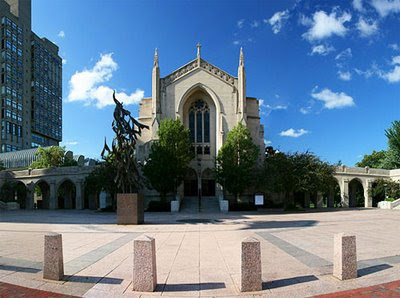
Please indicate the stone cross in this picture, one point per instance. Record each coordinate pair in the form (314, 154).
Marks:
(53, 265)
(344, 256)
(144, 264)
(251, 265)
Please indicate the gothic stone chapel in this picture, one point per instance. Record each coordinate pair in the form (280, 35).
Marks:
(210, 102)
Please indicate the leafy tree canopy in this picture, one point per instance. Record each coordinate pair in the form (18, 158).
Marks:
(50, 157)
(297, 172)
(169, 157)
(236, 161)
(374, 160)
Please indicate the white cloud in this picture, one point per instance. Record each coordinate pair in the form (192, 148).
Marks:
(367, 27)
(240, 23)
(333, 100)
(64, 61)
(236, 42)
(321, 50)
(386, 7)
(305, 111)
(324, 25)
(358, 5)
(61, 34)
(396, 60)
(394, 46)
(267, 142)
(344, 75)
(293, 133)
(277, 107)
(365, 73)
(255, 24)
(346, 54)
(392, 76)
(277, 20)
(86, 85)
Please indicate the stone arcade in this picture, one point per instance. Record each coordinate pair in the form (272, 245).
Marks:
(210, 102)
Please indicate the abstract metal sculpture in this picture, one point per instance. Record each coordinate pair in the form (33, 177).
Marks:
(122, 154)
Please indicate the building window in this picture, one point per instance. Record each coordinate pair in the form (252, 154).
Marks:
(199, 125)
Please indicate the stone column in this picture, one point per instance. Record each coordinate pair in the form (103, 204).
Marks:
(344, 256)
(344, 192)
(79, 194)
(251, 265)
(320, 200)
(30, 195)
(367, 196)
(53, 265)
(307, 200)
(53, 202)
(144, 264)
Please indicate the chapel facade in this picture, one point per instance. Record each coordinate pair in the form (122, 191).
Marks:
(210, 102)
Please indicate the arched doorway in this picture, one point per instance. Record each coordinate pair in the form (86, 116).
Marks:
(207, 183)
(20, 194)
(66, 195)
(190, 186)
(356, 193)
(41, 199)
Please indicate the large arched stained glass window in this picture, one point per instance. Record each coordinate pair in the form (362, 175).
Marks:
(199, 122)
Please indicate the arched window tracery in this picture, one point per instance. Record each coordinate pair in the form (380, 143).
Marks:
(199, 126)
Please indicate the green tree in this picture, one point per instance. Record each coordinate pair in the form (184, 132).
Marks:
(383, 189)
(393, 155)
(236, 161)
(297, 172)
(50, 157)
(374, 160)
(169, 157)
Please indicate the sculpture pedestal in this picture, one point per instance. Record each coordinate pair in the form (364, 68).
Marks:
(130, 209)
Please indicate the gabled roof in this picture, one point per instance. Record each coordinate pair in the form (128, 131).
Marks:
(193, 65)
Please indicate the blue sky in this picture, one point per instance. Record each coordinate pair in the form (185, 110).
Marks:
(327, 72)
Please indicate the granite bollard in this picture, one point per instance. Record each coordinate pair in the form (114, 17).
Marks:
(130, 209)
(251, 279)
(144, 264)
(53, 265)
(344, 256)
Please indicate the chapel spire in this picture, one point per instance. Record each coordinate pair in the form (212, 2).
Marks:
(241, 59)
(155, 58)
(198, 50)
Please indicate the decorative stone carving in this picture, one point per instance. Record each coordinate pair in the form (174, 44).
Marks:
(193, 65)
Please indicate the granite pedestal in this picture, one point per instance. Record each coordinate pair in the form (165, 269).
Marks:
(130, 209)
(144, 264)
(53, 265)
(251, 265)
(344, 256)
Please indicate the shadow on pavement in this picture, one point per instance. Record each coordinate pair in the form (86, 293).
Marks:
(288, 281)
(190, 287)
(19, 269)
(93, 279)
(373, 269)
(252, 225)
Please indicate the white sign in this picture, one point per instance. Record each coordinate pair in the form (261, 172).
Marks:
(259, 200)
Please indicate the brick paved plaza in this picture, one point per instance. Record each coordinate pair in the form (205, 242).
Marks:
(199, 254)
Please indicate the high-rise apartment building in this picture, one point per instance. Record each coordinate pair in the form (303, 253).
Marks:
(30, 84)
